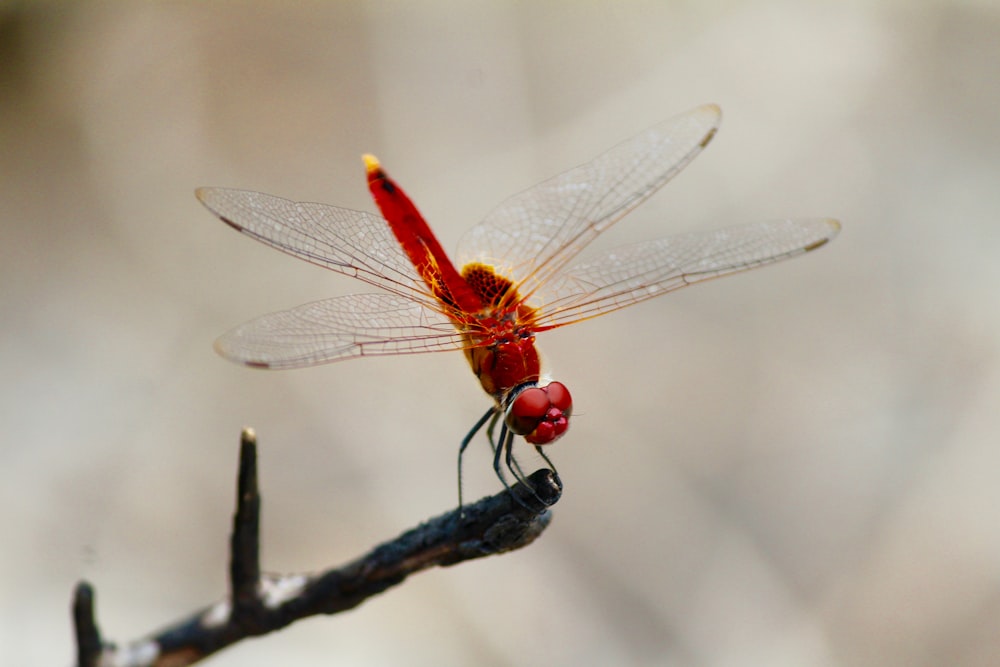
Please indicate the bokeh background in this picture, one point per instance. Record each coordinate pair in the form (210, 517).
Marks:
(796, 466)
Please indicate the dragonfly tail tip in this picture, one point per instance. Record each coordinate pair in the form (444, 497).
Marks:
(371, 163)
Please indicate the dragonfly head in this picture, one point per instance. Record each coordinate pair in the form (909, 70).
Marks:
(540, 414)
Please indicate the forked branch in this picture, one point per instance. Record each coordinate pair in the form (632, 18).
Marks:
(258, 604)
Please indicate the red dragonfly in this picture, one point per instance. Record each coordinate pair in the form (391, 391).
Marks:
(518, 275)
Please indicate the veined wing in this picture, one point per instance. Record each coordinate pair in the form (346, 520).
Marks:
(640, 271)
(532, 235)
(345, 327)
(354, 243)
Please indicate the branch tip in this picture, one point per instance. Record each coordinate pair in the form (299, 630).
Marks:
(244, 547)
(545, 488)
(88, 636)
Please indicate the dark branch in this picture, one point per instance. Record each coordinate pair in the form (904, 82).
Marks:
(244, 545)
(260, 604)
(88, 637)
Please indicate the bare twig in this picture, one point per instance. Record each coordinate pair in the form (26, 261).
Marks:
(259, 604)
(88, 637)
(244, 545)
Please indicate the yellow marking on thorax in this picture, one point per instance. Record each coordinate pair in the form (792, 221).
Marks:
(496, 291)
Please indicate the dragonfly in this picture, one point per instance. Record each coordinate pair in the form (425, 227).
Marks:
(520, 274)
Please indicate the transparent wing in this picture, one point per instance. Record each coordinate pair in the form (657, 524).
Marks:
(634, 273)
(344, 327)
(532, 235)
(354, 243)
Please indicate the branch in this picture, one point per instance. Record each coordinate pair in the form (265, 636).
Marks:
(259, 604)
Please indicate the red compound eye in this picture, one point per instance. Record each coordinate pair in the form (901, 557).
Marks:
(540, 414)
(559, 395)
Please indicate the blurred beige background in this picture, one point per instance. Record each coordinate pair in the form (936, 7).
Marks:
(797, 466)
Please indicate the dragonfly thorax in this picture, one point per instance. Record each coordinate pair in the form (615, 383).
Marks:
(503, 362)
(501, 342)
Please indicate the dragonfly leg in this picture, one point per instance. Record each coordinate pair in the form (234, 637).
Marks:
(503, 450)
(506, 440)
(547, 460)
(491, 428)
(516, 469)
(512, 464)
(506, 448)
(492, 412)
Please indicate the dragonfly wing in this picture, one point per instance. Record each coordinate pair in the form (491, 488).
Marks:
(340, 328)
(640, 271)
(533, 234)
(354, 243)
